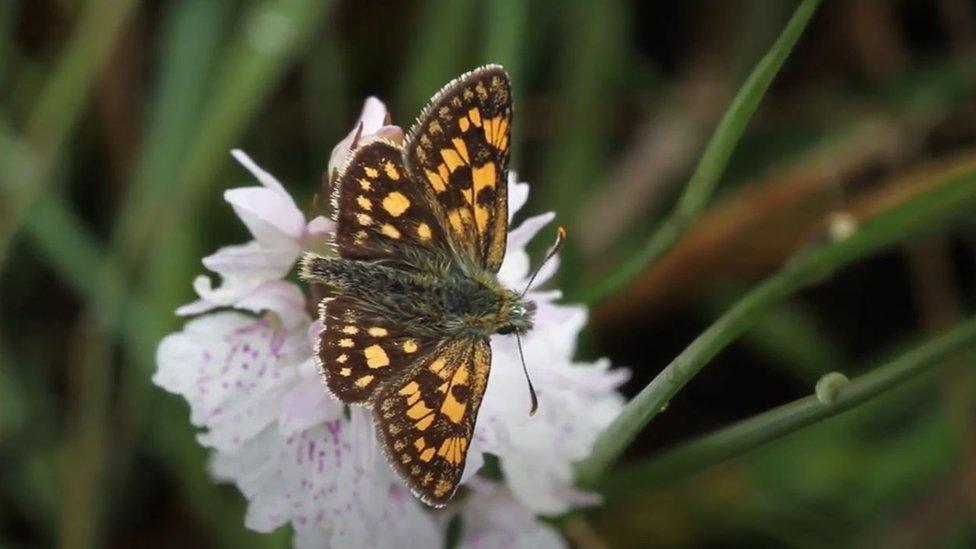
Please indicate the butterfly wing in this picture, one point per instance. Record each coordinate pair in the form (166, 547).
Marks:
(379, 210)
(459, 147)
(359, 350)
(426, 417)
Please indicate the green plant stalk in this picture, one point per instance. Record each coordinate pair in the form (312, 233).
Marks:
(272, 34)
(58, 108)
(712, 163)
(255, 65)
(696, 455)
(788, 334)
(956, 190)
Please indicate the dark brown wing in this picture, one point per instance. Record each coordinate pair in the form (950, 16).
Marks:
(459, 147)
(357, 351)
(379, 209)
(426, 416)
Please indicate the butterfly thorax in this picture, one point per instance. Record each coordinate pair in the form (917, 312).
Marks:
(435, 299)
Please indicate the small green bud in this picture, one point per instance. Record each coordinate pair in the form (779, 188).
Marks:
(829, 386)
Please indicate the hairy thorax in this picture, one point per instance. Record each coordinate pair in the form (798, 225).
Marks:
(429, 301)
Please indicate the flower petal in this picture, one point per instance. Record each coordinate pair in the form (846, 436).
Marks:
(282, 298)
(371, 121)
(492, 518)
(252, 261)
(272, 217)
(518, 194)
(262, 176)
(232, 369)
(515, 267)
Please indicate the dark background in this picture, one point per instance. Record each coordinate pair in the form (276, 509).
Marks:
(113, 166)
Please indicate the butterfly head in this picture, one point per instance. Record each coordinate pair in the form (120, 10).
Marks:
(516, 314)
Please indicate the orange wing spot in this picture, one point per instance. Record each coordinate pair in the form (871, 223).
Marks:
(412, 399)
(436, 181)
(452, 449)
(454, 217)
(443, 171)
(418, 410)
(427, 455)
(443, 487)
(391, 171)
(501, 131)
(371, 172)
(410, 346)
(390, 231)
(420, 444)
(437, 365)
(376, 357)
(364, 219)
(345, 372)
(364, 381)
(489, 129)
(423, 231)
(364, 203)
(341, 359)
(451, 408)
(464, 124)
(377, 331)
(475, 115)
(365, 184)
(462, 149)
(424, 423)
(452, 159)
(484, 176)
(481, 217)
(396, 203)
(409, 388)
(345, 342)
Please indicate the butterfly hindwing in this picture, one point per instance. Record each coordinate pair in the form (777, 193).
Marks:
(358, 351)
(426, 417)
(460, 147)
(379, 209)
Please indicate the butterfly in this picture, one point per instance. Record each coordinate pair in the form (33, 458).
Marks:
(421, 229)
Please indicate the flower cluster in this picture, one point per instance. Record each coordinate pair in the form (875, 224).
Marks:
(244, 364)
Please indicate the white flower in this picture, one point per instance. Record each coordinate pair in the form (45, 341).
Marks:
(301, 459)
(492, 518)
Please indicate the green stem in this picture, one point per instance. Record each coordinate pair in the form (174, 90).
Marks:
(696, 455)
(712, 163)
(953, 189)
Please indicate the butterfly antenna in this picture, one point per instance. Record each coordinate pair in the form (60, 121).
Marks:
(525, 370)
(560, 238)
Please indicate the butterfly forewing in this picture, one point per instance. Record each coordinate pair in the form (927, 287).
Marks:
(460, 147)
(358, 350)
(412, 222)
(379, 209)
(427, 416)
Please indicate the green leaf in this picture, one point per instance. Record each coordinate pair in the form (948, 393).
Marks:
(691, 457)
(712, 163)
(947, 192)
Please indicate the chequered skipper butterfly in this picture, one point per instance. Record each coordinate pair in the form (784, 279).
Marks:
(421, 231)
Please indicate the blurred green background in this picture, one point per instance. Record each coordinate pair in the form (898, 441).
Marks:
(116, 118)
